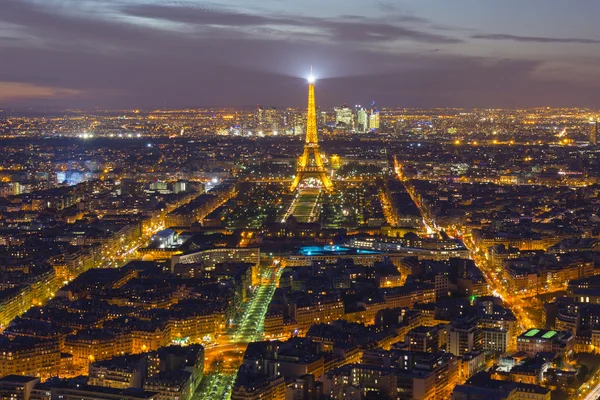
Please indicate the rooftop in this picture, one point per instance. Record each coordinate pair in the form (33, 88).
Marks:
(544, 334)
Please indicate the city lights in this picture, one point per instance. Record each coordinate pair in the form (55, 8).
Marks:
(187, 214)
(285, 250)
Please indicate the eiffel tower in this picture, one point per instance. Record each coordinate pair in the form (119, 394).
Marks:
(310, 164)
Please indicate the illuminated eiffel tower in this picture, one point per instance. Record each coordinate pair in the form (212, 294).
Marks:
(310, 163)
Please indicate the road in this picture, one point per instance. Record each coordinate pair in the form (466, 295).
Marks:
(227, 356)
(498, 287)
(591, 389)
(594, 394)
(428, 224)
(215, 387)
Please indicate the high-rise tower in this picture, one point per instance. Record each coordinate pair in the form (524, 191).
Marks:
(362, 119)
(310, 163)
(593, 135)
(344, 117)
(374, 120)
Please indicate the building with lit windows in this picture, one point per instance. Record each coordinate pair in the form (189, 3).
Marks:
(536, 341)
(355, 380)
(344, 117)
(320, 311)
(423, 338)
(412, 245)
(496, 340)
(362, 120)
(39, 358)
(374, 120)
(75, 390)
(258, 387)
(211, 257)
(174, 371)
(96, 344)
(171, 385)
(120, 372)
(17, 387)
(501, 390)
(425, 375)
(465, 337)
(304, 388)
(268, 364)
(397, 374)
(19, 298)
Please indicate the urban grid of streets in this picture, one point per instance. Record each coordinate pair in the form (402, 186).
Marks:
(249, 328)
(251, 323)
(589, 391)
(496, 285)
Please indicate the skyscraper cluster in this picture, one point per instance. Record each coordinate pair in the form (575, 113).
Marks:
(357, 119)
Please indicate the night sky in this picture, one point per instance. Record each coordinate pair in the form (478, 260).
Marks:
(191, 53)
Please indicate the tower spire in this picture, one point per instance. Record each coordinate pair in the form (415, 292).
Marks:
(311, 114)
(310, 163)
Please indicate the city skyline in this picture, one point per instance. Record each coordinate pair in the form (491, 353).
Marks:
(407, 255)
(190, 211)
(146, 54)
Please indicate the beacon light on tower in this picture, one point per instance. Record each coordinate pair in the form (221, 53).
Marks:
(311, 77)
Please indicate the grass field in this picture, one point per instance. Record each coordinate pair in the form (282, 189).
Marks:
(306, 207)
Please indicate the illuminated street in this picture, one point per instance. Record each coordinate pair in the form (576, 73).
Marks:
(594, 393)
(231, 349)
(499, 288)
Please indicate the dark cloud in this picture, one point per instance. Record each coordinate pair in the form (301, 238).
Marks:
(533, 39)
(345, 28)
(204, 15)
(373, 32)
(396, 11)
(188, 80)
(58, 29)
(440, 81)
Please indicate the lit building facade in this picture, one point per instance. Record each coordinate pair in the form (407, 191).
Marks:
(543, 341)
